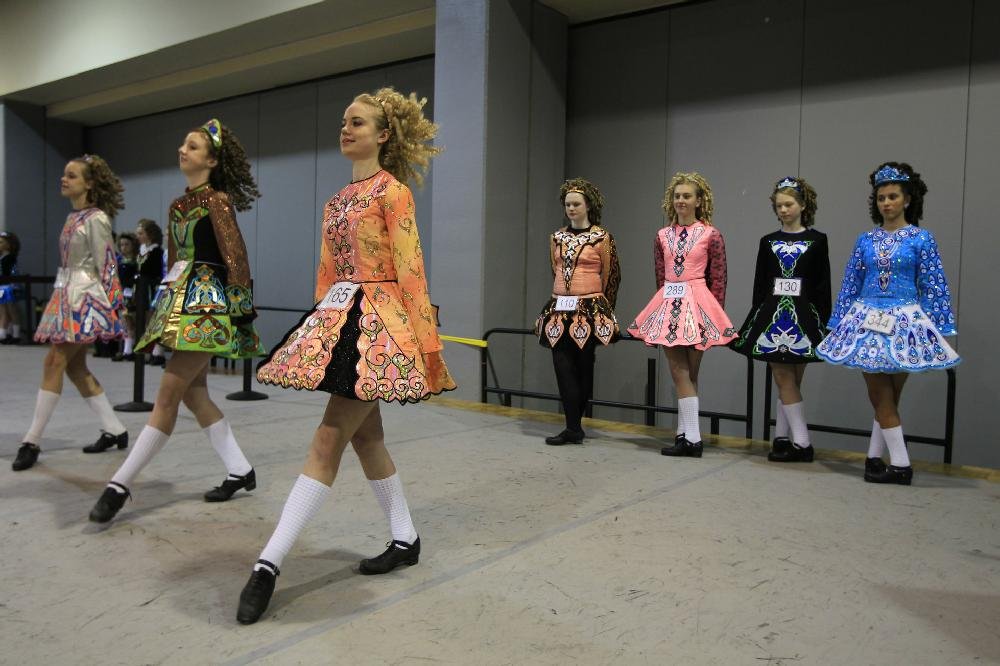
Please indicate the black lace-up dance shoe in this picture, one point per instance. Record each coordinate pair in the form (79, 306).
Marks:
(27, 456)
(256, 594)
(891, 474)
(397, 554)
(682, 447)
(874, 466)
(791, 453)
(109, 504)
(566, 437)
(221, 493)
(107, 441)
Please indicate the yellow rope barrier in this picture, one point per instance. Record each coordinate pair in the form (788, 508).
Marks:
(472, 342)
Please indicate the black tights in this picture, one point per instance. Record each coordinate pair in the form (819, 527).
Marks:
(575, 374)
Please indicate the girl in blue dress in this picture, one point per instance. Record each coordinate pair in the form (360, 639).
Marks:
(893, 312)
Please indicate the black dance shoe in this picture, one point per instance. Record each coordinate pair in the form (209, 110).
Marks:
(107, 441)
(874, 466)
(10, 341)
(566, 437)
(779, 445)
(682, 447)
(791, 454)
(892, 474)
(109, 503)
(27, 456)
(158, 360)
(230, 486)
(397, 553)
(256, 594)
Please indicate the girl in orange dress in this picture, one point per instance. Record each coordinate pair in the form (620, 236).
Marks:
(370, 337)
(581, 312)
(685, 316)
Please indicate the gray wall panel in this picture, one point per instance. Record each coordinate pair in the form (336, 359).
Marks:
(616, 138)
(286, 177)
(978, 393)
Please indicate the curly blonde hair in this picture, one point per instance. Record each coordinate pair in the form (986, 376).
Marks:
(704, 211)
(408, 152)
(595, 202)
(806, 196)
(106, 191)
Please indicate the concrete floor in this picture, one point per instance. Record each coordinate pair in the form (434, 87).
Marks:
(605, 553)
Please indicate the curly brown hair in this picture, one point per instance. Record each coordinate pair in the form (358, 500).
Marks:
(595, 202)
(106, 190)
(804, 193)
(408, 152)
(152, 230)
(702, 189)
(232, 173)
(13, 242)
(915, 188)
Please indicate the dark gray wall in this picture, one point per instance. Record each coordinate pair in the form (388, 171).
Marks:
(500, 86)
(748, 91)
(291, 136)
(34, 151)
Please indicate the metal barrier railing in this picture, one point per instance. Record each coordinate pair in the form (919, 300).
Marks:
(949, 420)
(488, 369)
(649, 406)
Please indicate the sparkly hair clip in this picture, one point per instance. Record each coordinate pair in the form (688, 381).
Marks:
(788, 181)
(889, 174)
(385, 111)
(214, 130)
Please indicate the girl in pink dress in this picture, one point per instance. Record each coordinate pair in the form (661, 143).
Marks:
(685, 316)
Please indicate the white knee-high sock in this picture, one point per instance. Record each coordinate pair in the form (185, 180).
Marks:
(781, 421)
(100, 405)
(389, 492)
(129, 345)
(688, 418)
(797, 421)
(897, 446)
(147, 444)
(45, 404)
(15, 330)
(158, 350)
(876, 445)
(303, 502)
(221, 436)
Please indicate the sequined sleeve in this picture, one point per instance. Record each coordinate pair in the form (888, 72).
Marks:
(408, 258)
(932, 286)
(715, 272)
(234, 254)
(611, 275)
(658, 266)
(854, 279)
(102, 247)
(760, 275)
(553, 253)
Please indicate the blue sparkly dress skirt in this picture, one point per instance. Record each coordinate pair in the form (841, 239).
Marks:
(894, 306)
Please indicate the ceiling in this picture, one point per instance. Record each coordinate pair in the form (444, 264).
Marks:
(322, 39)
